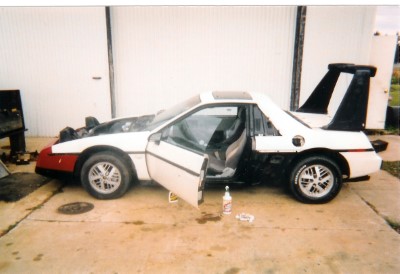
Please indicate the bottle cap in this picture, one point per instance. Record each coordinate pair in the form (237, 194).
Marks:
(227, 195)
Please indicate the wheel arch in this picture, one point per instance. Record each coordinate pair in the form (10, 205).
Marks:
(87, 153)
(333, 155)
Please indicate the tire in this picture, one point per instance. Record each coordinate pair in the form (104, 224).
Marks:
(105, 176)
(309, 187)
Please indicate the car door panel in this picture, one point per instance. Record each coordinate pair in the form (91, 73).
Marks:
(177, 169)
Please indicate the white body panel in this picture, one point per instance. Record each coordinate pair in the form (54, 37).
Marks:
(360, 163)
(128, 142)
(371, 162)
(134, 144)
(314, 138)
(139, 161)
(272, 144)
(312, 119)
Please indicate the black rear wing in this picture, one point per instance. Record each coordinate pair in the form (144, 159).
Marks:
(352, 112)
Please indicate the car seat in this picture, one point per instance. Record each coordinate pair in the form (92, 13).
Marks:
(232, 157)
(234, 132)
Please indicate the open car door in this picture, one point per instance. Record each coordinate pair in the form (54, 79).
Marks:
(179, 170)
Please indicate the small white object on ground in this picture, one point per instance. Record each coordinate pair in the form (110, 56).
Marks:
(245, 217)
(172, 198)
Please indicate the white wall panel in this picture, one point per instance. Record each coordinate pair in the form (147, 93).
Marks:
(335, 34)
(165, 54)
(382, 54)
(51, 55)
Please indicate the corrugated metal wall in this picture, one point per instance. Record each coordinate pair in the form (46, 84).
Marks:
(51, 55)
(165, 54)
(335, 35)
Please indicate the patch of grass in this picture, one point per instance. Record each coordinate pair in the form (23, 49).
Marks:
(392, 167)
(395, 95)
(395, 87)
(395, 76)
(391, 131)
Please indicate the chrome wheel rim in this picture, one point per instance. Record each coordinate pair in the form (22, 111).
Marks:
(316, 181)
(104, 177)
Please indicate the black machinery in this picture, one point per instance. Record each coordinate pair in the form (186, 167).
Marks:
(12, 125)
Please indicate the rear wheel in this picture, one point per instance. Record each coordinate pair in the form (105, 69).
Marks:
(105, 176)
(315, 180)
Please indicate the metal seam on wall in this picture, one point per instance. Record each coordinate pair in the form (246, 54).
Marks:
(110, 63)
(298, 57)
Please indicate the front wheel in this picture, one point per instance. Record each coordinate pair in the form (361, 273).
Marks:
(105, 176)
(315, 180)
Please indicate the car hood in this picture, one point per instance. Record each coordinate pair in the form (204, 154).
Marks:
(127, 124)
(93, 128)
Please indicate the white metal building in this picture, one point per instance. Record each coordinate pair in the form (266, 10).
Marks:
(60, 57)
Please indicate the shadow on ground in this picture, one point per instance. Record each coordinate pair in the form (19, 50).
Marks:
(17, 185)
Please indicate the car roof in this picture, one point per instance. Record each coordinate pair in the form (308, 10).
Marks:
(284, 122)
(217, 96)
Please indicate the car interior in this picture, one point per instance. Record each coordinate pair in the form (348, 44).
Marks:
(218, 131)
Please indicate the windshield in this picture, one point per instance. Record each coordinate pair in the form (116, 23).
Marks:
(170, 113)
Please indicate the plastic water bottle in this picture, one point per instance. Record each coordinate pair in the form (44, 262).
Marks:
(227, 202)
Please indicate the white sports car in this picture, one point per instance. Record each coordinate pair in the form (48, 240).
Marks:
(226, 137)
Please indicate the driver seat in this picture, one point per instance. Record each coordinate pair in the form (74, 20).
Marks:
(234, 132)
(233, 154)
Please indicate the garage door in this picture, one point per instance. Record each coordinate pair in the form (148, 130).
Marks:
(58, 58)
(165, 54)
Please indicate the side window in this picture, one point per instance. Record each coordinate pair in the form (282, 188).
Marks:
(262, 125)
(204, 129)
(258, 122)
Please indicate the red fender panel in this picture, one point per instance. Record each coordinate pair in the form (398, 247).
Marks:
(59, 162)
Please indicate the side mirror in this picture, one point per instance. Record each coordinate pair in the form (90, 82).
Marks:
(156, 137)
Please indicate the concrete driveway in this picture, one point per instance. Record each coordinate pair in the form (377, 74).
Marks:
(143, 233)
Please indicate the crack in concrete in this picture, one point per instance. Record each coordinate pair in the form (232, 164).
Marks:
(31, 210)
(393, 225)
